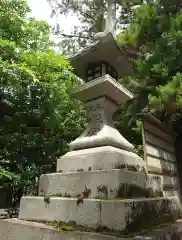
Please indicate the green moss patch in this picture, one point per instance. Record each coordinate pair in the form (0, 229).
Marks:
(128, 167)
(127, 191)
(72, 226)
(134, 191)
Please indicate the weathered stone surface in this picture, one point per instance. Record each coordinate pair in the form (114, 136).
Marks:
(91, 213)
(61, 209)
(102, 98)
(14, 229)
(105, 158)
(171, 232)
(98, 183)
(100, 131)
(103, 86)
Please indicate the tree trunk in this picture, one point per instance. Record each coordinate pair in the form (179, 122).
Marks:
(111, 17)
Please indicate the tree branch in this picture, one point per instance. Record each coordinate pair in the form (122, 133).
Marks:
(86, 15)
(74, 36)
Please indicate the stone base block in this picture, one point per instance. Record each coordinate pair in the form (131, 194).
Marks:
(93, 213)
(98, 183)
(105, 158)
(14, 229)
(61, 209)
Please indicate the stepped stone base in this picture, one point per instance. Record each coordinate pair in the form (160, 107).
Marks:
(91, 212)
(14, 229)
(99, 183)
(106, 158)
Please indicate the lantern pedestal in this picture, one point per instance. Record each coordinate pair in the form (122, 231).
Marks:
(101, 98)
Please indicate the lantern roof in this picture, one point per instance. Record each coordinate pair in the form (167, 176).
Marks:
(104, 49)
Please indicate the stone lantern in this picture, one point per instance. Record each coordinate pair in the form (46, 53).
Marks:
(100, 66)
(97, 165)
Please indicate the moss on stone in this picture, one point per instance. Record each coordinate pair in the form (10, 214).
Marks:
(140, 225)
(134, 191)
(66, 195)
(72, 226)
(127, 191)
(149, 214)
(85, 194)
(103, 189)
(108, 198)
(128, 167)
(67, 228)
(47, 199)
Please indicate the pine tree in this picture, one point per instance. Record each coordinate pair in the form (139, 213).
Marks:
(155, 37)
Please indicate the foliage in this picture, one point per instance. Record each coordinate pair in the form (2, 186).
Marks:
(38, 116)
(92, 17)
(153, 41)
(26, 33)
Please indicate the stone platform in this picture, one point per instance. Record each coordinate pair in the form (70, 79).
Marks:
(105, 157)
(93, 213)
(99, 183)
(14, 229)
